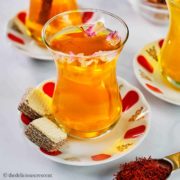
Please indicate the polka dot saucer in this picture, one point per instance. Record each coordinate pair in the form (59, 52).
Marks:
(17, 34)
(127, 135)
(148, 73)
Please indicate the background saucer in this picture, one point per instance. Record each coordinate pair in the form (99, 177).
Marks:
(128, 134)
(16, 34)
(148, 73)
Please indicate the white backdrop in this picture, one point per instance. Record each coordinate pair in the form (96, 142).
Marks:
(17, 72)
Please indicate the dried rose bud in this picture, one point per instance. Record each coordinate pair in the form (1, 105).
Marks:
(113, 38)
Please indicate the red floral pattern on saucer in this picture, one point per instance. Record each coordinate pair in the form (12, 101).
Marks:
(48, 88)
(148, 72)
(129, 100)
(100, 157)
(22, 16)
(51, 153)
(153, 88)
(15, 38)
(26, 120)
(87, 16)
(129, 132)
(135, 132)
(17, 34)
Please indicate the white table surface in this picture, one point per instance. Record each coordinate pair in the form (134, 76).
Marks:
(17, 72)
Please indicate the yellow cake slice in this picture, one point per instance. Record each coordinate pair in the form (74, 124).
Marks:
(35, 104)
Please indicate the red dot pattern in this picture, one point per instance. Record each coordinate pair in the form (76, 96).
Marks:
(153, 88)
(161, 43)
(48, 88)
(87, 16)
(26, 120)
(22, 17)
(129, 100)
(15, 38)
(51, 153)
(100, 157)
(135, 132)
(145, 64)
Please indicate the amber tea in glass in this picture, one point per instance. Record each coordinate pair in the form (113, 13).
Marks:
(42, 10)
(86, 102)
(170, 52)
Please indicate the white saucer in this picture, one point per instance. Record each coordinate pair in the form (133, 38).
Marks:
(16, 34)
(127, 135)
(148, 73)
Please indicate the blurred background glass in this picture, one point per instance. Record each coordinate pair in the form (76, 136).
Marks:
(154, 11)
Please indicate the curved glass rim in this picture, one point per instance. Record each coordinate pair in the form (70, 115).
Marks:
(84, 10)
(175, 3)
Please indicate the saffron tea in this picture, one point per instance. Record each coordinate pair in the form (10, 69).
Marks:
(169, 55)
(42, 10)
(86, 100)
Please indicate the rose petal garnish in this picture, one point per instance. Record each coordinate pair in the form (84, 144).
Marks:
(71, 53)
(80, 55)
(113, 38)
(112, 35)
(105, 56)
(85, 63)
(96, 29)
(90, 31)
(71, 58)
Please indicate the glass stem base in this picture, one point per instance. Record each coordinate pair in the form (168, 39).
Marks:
(172, 81)
(88, 135)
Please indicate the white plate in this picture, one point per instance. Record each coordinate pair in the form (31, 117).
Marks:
(148, 73)
(16, 34)
(127, 135)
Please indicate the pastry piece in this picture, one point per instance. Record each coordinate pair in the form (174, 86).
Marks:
(46, 134)
(36, 104)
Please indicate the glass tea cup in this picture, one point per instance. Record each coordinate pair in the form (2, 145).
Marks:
(169, 55)
(86, 101)
(40, 11)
